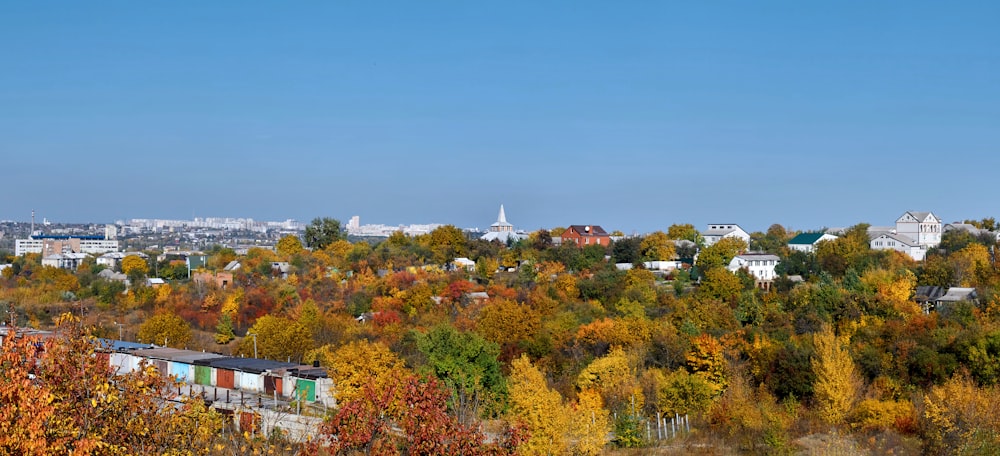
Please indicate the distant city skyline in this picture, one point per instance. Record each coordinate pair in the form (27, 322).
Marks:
(633, 116)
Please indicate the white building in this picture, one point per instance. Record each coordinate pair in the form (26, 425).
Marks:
(65, 260)
(806, 242)
(900, 243)
(53, 244)
(717, 231)
(503, 231)
(923, 227)
(760, 265)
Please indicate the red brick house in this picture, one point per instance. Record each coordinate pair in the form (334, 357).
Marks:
(584, 235)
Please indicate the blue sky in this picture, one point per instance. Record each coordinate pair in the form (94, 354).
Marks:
(630, 115)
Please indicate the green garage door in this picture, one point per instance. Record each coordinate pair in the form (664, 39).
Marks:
(203, 375)
(305, 389)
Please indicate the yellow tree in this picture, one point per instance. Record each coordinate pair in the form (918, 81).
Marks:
(134, 266)
(657, 246)
(837, 381)
(614, 378)
(960, 418)
(353, 365)
(539, 407)
(970, 264)
(707, 360)
(506, 322)
(167, 329)
(683, 231)
(590, 424)
(277, 338)
(289, 246)
(893, 290)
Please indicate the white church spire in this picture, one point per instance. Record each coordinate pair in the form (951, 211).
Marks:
(502, 218)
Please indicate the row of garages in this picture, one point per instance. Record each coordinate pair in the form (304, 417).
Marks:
(250, 375)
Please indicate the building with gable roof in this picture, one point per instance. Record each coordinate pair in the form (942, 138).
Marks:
(502, 231)
(923, 227)
(584, 235)
(717, 231)
(806, 242)
(900, 243)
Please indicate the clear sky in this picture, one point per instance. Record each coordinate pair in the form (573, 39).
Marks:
(630, 115)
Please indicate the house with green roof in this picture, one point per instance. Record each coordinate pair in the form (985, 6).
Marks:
(806, 242)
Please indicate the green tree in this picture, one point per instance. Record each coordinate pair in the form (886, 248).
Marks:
(446, 242)
(468, 366)
(322, 232)
(626, 250)
(720, 254)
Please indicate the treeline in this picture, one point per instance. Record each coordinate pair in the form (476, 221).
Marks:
(566, 349)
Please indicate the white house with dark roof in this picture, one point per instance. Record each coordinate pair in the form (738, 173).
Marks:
(923, 227)
(806, 242)
(717, 231)
(760, 265)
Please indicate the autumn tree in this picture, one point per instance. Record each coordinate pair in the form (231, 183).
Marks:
(837, 381)
(684, 393)
(134, 266)
(706, 359)
(971, 265)
(166, 328)
(539, 407)
(27, 409)
(721, 253)
(506, 322)
(277, 338)
(405, 415)
(960, 418)
(589, 424)
(67, 400)
(613, 376)
(446, 242)
(847, 251)
(288, 246)
(353, 365)
(322, 232)
(683, 231)
(657, 246)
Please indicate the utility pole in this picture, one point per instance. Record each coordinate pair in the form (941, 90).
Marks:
(120, 333)
(254, 344)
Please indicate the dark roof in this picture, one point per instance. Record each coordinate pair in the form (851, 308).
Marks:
(594, 230)
(121, 345)
(251, 365)
(806, 238)
(925, 293)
